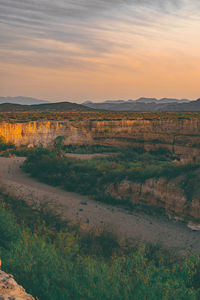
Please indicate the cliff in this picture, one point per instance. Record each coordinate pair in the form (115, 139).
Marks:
(167, 195)
(10, 290)
(181, 136)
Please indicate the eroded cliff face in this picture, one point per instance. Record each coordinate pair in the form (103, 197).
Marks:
(159, 193)
(165, 131)
(10, 290)
(32, 133)
(180, 136)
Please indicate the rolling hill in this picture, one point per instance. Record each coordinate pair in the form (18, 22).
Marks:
(53, 107)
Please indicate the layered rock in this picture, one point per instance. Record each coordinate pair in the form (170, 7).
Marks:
(166, 131)
(161, 193)
(181, 136)
(10, 290)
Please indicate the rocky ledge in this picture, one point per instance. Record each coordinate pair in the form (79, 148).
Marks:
(10, 290)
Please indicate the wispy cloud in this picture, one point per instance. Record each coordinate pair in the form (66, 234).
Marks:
(110, 37)
(27, 27)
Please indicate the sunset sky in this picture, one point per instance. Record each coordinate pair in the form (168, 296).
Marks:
(81, 50)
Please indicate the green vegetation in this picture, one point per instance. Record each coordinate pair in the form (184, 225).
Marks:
(53, 261)
(7, 150)
(89, 149)
(92, 177)
(5, 146)
(95, 116)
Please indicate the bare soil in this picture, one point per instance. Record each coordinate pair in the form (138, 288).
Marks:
(92, 214)
(88, 156)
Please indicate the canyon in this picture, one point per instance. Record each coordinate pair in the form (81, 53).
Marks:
(92, 215)
(181, 136)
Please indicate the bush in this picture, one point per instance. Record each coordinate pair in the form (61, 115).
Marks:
(5, 146)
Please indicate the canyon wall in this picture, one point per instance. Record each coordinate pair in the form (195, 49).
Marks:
(181, 136)
(160, 193)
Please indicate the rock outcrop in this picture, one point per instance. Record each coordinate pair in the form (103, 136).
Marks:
(10, 290)
(181, 136)
(161, 193)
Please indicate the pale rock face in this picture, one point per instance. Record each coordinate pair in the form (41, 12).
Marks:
(195, 207)
(177, 135)
(158, 193)
(10, 290)
(194, 226)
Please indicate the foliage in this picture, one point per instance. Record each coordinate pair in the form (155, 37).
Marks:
(96, 115)
(4, 146)
(49, 262)
(92, 177)
(89, 149)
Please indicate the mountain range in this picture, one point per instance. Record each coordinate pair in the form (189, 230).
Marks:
(146, 105)
(14, 104)
(134, 105)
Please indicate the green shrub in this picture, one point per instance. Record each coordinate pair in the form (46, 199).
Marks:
(89, 149)
(9, 232)
(5, 146)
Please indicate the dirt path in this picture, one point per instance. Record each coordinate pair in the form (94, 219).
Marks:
(88, 156)
(153, 229)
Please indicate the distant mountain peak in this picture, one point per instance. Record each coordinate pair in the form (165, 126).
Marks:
(173, 100)
(114, 101)
(146, 100)
(148, 105)
(22, 100)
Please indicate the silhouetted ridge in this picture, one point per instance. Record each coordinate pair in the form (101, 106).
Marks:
(148, 105)
(57, 107)
(22, 100)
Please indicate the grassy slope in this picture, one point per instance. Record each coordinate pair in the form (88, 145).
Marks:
(53, 261)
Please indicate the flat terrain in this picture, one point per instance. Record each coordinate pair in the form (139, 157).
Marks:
(153, 229)
(88, 156)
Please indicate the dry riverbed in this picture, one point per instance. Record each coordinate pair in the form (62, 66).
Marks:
(130, 225)
(88, 156)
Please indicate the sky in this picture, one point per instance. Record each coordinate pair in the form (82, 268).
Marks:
(80, 50)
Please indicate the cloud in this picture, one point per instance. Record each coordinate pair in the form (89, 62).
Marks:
(70, 32)
(43, 12)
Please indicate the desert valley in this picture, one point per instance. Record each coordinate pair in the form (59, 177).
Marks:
(99, 150)
(122, 179)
